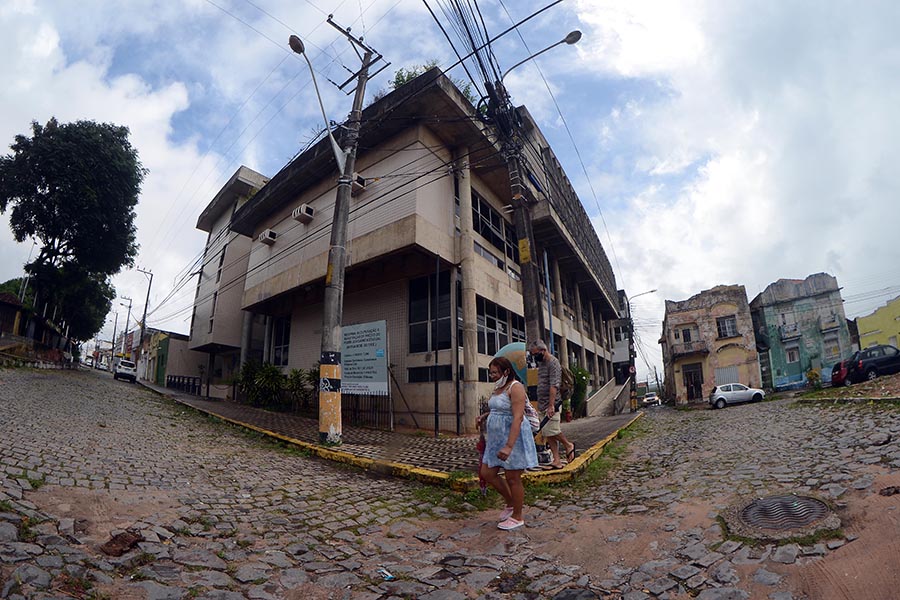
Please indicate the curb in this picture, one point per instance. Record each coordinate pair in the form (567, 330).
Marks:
(395, 469)
(855, 400)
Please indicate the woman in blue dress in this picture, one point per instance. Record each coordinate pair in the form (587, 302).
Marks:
(509, 441)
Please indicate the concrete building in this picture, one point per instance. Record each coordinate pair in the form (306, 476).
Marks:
(432, 251)
(800, 325)
(880, 327)
(169, 354)
(623, 348)
(708, 340)
(219, 328)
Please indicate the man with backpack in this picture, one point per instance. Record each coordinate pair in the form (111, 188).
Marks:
(549, 402)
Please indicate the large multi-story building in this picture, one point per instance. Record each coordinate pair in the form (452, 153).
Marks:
(880, 327)
(432, 252)
(800, 326)
(708, 340)
(219, 328)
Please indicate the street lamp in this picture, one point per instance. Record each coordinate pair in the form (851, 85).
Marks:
(340, 156)
(570, 39)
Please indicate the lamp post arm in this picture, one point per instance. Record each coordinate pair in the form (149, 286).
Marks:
(339, 155)
(533, 56)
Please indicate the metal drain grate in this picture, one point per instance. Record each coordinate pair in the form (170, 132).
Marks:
(783, 512)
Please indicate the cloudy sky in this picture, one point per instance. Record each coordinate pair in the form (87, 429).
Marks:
(711, 142)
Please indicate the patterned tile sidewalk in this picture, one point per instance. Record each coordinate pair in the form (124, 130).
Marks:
(416, 451)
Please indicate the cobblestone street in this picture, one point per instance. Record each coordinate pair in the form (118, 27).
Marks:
(227, 514)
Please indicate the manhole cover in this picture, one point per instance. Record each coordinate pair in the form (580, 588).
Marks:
(783, 512)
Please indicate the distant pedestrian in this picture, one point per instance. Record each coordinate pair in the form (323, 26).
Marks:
(509, 441)
(549, 376)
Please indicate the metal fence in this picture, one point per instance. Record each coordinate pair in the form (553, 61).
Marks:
(182, 383)
(376, 412)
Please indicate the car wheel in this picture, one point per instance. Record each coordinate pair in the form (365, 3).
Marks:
(757, 398)
(871, 374)
(847, 381)
(720, 403)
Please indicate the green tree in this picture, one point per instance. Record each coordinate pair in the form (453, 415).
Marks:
(74, 187)
(14, 286)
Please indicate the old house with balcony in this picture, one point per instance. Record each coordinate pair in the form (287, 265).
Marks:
(708, 340)
(800, 326)
(433, 252)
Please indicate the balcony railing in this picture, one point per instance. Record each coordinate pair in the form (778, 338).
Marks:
(828, 323)
(788, 331)
(688, 348)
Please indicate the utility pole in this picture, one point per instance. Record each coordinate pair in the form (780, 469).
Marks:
(330, 429)
(146, 304)
(115, 324)
(127, 320)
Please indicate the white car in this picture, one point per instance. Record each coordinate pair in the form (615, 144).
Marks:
(125, 369)
(650, 399)
(734, 393)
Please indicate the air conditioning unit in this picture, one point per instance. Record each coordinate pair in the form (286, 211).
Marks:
(358, 185)
(303, 213)
(267, 237)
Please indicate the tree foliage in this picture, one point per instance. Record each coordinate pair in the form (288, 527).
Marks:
(403, 76)
(74, 187)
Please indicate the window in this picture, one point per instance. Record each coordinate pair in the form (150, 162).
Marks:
(727, 326)
(832, 348)
(429, 323)
(686, 336)
(281, 340)
(221, 262)
(793, 355)
(490, 225)
(484, 252)
(212, 312)
(426, 374)
(497, 326)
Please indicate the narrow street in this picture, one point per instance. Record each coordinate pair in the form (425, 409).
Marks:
(229, 514)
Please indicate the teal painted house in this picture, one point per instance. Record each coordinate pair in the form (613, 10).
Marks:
(800, 325)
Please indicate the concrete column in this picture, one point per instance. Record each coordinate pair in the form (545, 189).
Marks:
(564, 325)
(595, 365)
(466, 260)
(267, 340)
(579, 319)
(246, 335)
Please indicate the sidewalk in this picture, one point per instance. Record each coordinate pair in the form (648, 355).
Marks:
(418, 456)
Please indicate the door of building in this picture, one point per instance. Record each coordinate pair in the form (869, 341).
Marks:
(693, 381)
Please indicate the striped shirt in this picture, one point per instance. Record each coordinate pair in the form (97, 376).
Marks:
(549, 375)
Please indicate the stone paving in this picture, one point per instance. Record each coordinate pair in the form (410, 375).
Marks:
(226, 515)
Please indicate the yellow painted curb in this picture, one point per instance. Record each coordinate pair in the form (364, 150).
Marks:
(567, 473)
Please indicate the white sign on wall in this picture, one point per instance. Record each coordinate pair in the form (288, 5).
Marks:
(364, 359)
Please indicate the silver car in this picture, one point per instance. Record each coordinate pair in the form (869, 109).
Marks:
(734, 393)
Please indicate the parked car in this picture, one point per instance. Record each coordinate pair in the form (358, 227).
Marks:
(650, 399)
(839, 374)
(734, 393)
(869, 363)
(125, 369)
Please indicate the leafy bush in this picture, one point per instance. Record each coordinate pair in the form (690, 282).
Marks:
(269, 383)
(579, 393)
(814, 379)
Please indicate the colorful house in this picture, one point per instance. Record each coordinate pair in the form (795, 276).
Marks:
(880, 327)
(708, 340)
(800, 327)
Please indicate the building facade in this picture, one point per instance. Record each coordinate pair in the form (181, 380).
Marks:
(219, 328)
(800, 326)
(432, 252)
(880, 327)
(708, 340)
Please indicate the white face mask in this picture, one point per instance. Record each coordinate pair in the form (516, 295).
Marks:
(500, 383)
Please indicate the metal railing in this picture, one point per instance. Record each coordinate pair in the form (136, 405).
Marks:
(685, 348)
(358, 410)
(183, 383)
